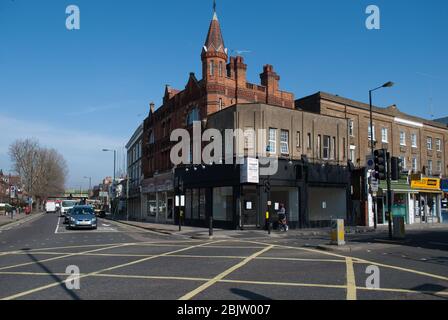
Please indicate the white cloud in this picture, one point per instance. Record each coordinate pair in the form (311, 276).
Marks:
(81, 148)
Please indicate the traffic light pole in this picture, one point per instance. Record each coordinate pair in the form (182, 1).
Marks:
(389, 192)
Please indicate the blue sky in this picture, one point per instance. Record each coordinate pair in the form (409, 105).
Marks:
(81, 91)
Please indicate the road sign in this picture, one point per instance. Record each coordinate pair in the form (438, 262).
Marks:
(374, 184)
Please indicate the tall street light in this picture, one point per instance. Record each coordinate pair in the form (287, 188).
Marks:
(372, 143)
(115, 161)
(90, 184)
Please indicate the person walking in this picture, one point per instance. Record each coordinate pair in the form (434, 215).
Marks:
(282, 221)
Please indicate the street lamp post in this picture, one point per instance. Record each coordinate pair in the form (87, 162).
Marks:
(115, 161)
(372, 146)
(90, 184)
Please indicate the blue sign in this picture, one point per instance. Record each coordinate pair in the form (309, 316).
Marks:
(444, 185)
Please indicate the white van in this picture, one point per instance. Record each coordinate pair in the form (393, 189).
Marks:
(50, 207)
(66, 205)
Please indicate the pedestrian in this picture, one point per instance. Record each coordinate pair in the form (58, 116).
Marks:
(282, 221)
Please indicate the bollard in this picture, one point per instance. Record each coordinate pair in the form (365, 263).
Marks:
(268, 224)
(399, 228)
(210, 229)
(180, 220)
(337, 232)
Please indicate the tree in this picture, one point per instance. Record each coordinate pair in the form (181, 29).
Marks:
(43, 171)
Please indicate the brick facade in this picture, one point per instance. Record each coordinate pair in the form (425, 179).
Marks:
(396, 124)
(223, 84)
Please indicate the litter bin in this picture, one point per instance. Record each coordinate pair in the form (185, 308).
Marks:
(399, 230)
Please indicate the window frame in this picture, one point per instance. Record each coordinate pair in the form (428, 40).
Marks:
(284, 143)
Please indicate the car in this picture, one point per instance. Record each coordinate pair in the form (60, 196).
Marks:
(82, 217)
(66, 205)
(50, 206)
(67, 216)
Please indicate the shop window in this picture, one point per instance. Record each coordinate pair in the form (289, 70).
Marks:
(195, 204)
(188, 209)
(223, 204)
(202, 214)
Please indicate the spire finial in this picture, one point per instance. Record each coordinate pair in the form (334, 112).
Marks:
(214, 6)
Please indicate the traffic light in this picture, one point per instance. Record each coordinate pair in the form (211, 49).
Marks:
(397, 168)
(380, 164)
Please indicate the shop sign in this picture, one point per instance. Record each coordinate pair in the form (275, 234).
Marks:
(426, 183)
(250, 171)
(444, 185)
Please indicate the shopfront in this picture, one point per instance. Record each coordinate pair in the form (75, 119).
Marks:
(312, 195)
(444, 205)
(158, 199)
(428, 200)
(402, 202)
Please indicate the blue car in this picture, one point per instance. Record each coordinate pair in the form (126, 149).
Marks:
(82, 217)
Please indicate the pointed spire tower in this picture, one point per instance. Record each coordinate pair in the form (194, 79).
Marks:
(214, 53)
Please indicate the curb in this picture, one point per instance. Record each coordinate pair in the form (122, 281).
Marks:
(333, 248)
(159, 231)
(20, 221)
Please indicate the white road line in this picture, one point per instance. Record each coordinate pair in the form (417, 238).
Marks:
(57, 226)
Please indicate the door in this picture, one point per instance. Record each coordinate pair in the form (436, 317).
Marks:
(249, 216)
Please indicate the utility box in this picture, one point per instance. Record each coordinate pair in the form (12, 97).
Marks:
(399, 229)
(337, 232)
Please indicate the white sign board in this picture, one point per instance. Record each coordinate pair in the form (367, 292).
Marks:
(103, 194)
(374, 184)
(250, 171)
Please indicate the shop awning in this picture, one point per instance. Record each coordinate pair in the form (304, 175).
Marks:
(398, 186)
(427, 185)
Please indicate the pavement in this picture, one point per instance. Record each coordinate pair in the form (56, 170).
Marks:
(41, 260)
(17, 218)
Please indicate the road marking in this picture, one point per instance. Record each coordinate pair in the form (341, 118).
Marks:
(28, 292)
(351, 282)
(61, 257)
(222, 275)
(57, 226)
(362, 261)
(285, 284)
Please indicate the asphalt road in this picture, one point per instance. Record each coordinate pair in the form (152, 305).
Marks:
(123, 262)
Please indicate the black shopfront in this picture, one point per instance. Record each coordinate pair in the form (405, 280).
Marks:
(313, 195)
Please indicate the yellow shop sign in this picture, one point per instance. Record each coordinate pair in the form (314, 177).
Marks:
(426, 183)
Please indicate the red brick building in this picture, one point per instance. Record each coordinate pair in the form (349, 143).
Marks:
(223, 84)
